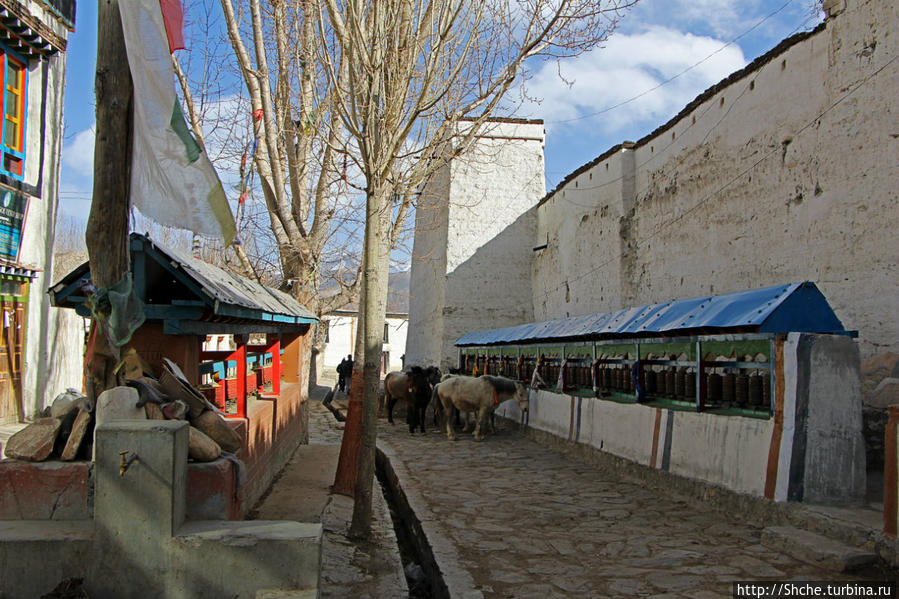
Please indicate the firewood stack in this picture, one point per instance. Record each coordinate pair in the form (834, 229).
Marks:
(61, 433)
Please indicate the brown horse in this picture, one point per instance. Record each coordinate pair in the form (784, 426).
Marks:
(414, 387)
(481, 395)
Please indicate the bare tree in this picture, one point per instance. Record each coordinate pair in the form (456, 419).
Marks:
(302, 161)
(357, 99)
(413, 83)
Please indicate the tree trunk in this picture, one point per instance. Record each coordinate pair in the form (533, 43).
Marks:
(374, 286)
(107, 226)
(350, 445)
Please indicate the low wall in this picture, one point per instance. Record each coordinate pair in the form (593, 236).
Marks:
(811, 449)
(275, 427)
(63, 491)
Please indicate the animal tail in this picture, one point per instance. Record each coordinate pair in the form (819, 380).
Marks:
(435, 399)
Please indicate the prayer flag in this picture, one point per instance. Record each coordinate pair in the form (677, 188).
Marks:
(172, 180)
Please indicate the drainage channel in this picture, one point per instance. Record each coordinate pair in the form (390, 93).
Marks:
(423, 575)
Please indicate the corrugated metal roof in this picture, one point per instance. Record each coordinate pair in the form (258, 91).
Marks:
(230, 289)
(797, 307)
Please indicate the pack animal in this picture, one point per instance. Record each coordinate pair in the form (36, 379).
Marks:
(413, 387)
(436, 407)
(480, 395)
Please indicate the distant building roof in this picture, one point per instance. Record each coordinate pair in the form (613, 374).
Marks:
(192, 296)
(797, 307)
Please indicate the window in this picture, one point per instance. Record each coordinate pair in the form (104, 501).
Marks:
(13, 136)
(13, 288)
(386, 333)
(327, 334)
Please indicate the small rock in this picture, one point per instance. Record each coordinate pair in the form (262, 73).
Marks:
(201, 448)
(154, 412)
(886, 394)
(414, 572)
(65, 402)
(119, 403)
(79, 431)
(34, 443)
(876, 368)
(218, 430)
(174, 410)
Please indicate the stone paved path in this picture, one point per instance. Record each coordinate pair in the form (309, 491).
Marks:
(350, 569)
(511, 518)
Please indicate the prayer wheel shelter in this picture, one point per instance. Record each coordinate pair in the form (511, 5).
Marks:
(185, 302)
(756, 391)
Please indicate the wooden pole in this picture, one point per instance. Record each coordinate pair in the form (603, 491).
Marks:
(107, 226)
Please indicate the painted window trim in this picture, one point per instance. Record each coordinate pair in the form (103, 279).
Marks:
(7, 53)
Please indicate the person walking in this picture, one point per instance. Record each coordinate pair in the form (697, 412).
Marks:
(341, 375)
(348, 373)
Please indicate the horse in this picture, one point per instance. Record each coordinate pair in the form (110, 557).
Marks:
(437, 409)
(414, 387)
(481, 395)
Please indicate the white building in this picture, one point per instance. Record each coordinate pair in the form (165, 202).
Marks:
(340, 339)
(40, 346)
(785, 171)
(340, 332)
(474, 238)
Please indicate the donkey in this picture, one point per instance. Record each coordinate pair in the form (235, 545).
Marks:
(414, 387)
(480, 395)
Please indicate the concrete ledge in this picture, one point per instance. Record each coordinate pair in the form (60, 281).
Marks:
(815, 549)
(234, 559)
(36, 555)
(20, 531)
(249, 530)
(288, 594)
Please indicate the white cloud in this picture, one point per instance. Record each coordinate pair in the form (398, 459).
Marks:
(718, 17)
(78, 155)
(632, 70)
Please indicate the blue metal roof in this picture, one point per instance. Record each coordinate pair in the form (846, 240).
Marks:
(177, 288)
(797, 307)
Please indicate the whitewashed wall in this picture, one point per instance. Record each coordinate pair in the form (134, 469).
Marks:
(818, 448)
(473, 242)
(55, 337)
(786, 173)
(342, 335)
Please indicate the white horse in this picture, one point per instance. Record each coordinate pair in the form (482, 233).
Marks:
(480, 395)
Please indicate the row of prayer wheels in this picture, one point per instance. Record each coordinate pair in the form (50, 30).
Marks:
(750, 391)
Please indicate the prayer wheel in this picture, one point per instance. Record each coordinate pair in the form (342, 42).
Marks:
(713, 388)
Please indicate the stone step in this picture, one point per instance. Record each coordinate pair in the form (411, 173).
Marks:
(815, 549)
(288, 594)
(858, 527)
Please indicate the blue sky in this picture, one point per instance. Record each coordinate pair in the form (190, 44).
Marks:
(664, 53)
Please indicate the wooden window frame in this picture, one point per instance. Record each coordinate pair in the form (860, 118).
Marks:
(14, 154)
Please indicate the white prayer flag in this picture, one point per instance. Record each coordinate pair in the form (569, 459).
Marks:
(172, 180)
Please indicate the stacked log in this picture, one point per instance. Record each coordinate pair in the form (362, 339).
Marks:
(65, 430)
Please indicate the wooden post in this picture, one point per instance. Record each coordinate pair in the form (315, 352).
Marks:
(273, 345)
(107, 226)
(891, 475)
(241, 356)
(291, 363)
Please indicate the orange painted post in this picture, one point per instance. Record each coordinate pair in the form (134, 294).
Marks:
(891, 475)
(241, 356)
(274, 346)
(291, 362)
